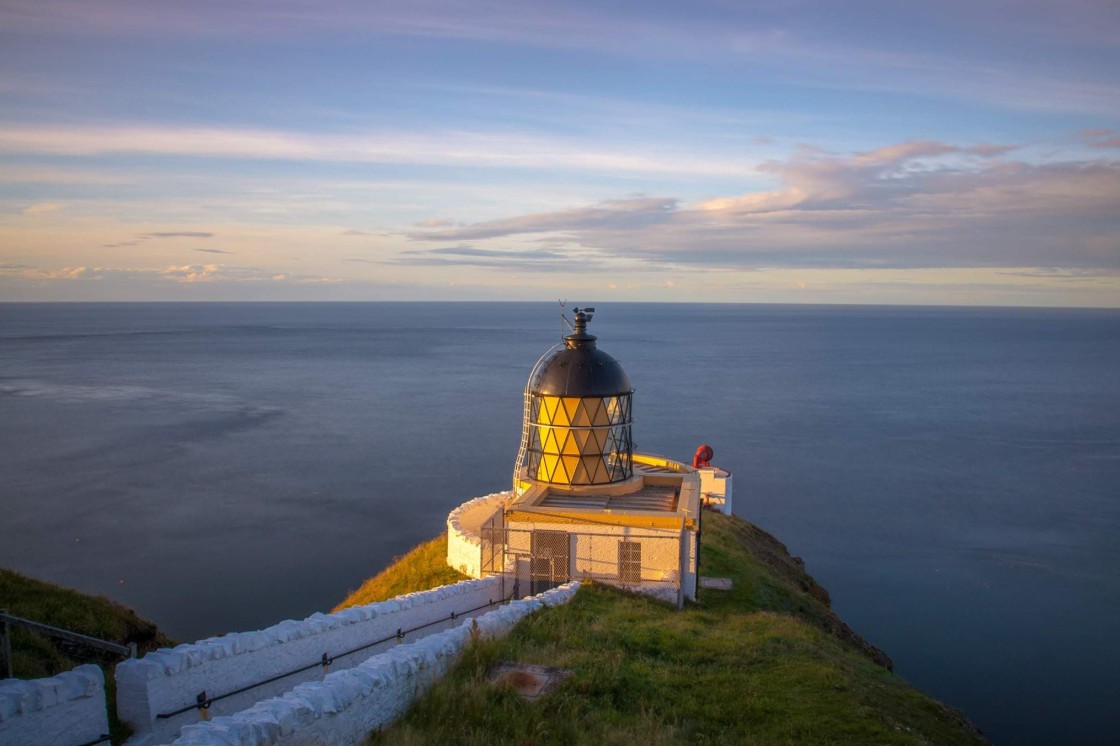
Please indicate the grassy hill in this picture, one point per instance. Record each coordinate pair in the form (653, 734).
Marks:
(767, 662)
(35, 655)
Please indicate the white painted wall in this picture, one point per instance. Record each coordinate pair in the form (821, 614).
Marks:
(66, 709)
(347, 706)
(464, 524)
(665, 554)
(166, 680)
(715, 488)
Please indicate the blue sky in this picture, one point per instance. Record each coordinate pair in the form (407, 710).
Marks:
(812, 152)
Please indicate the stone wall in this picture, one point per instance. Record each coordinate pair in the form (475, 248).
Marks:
(66, 709)
(464, 524)
(346, 706)
(169, 679)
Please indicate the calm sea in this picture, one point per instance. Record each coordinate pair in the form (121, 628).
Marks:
(952, 476)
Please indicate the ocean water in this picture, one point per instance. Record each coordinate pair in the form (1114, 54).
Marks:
(952, 476)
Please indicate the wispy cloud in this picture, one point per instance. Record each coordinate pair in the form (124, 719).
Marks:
(1100, 138)
(911, 204)
(177, 234)
(41, 207)
(444, 148)
(215, 251)
(615, 214)
(177, 273)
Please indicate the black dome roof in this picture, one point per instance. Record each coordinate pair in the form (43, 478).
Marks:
(582, 371)
(580, 368)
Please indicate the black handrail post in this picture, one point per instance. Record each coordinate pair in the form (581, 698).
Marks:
(203, 705)
(6, 643)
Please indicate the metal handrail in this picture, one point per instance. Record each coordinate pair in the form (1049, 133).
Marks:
(6, 619)
(203, 701)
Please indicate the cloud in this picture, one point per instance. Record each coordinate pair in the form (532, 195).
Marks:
(440, 148)
(41, 207)
(473, 251)
(612, 214)
(215, 251)
(906, 205)
(177, 234)
(175, 273)
(1100, 138)
(355, 232)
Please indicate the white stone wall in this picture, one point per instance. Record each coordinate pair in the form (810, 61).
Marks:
(169, 679)
(67, 709)
(347, 706)
(464, 541)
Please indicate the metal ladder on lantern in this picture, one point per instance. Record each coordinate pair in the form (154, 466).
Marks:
(527, 413)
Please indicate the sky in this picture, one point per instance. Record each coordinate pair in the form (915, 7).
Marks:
(949, 152)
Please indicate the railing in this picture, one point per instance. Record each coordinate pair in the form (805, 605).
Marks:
(203, 700)
(7, 620)
(526, 434)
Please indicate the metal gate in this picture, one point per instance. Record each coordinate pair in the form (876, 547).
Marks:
(494, 542)
(550, 560)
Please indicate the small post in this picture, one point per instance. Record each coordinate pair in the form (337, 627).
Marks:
(327, 660)
(400, 636)
(203, 705)
(6, 643)
(131, 650)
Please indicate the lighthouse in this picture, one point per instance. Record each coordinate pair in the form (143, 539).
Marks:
(584, 504)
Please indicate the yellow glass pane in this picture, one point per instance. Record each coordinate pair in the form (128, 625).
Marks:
(549, 444)
(548, 410)
(570, 407)
(597, 412)
(569, 464)
(548, 467)
(570, 446)
(579, 414)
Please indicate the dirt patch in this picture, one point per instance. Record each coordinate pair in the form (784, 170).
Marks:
(529, 681)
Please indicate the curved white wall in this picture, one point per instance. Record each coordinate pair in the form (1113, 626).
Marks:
(464, 524)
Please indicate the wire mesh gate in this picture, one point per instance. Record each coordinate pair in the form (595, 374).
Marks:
(535, 559)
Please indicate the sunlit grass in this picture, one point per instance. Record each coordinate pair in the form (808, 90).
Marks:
(423, 567)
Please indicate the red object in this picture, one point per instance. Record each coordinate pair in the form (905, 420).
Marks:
(703, 457)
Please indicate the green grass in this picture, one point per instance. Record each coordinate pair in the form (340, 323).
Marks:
(766, 663)
(423, 567)
(35, 655)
